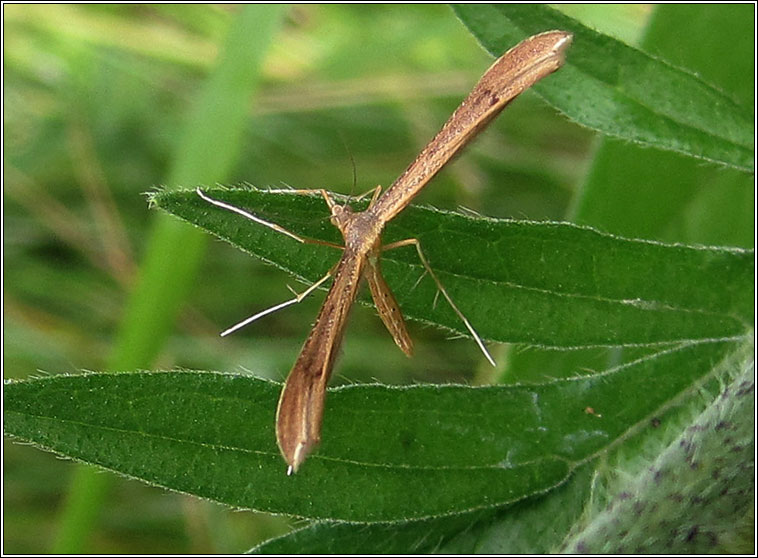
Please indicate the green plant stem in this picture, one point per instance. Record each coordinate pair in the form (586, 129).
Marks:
(206, 153)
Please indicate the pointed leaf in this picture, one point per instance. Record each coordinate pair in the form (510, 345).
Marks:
(388, 453)
(621, 91)
(551, 284)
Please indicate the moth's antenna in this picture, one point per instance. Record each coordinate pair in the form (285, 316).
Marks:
(352, 162)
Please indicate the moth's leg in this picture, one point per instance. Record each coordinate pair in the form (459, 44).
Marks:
(273, 226)
(375, 193)
(474, 334)
(298, 298)
(263, 222)
(374, 196)
(386, 304)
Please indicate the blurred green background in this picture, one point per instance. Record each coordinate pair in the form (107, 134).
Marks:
(95, 98)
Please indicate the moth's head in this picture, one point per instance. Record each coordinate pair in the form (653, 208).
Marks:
(341, 215)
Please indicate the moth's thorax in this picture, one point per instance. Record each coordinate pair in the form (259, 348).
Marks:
(360, 230)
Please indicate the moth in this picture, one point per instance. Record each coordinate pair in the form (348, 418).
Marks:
(301, 404)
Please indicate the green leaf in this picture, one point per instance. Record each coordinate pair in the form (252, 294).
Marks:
(678, 483)
(336, 537)
(158, 427)
(646, 193)
(691, 495)
(637, 192)
(388, 453)
(552, 284)
(458, 534)
(623, 92)
(683, 484)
